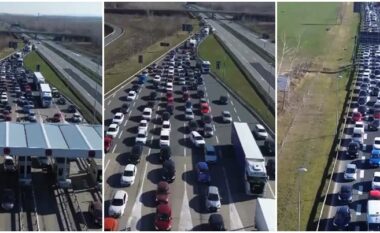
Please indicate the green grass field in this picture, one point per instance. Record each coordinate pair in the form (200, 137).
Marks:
(211, 50)
(306, 129)
(30, 62)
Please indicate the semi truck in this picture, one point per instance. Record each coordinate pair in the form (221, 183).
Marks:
(38, 79)
(205, 67)
(249, 158)
(373, 211)
(265, 214)
(46, 95)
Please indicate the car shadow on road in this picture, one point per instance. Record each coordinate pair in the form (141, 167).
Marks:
(153, 158)
(135, 118)
(146, 223)
(197, 203)
(114, 180)
(154, 176)
(129, 141)
(201, 227)
(122, 158)
(148, 198)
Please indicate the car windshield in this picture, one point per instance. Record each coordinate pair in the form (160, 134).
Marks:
(213, 197)
(128, 173)
(146, 113)
(226, 114)
(198, 138)
(262, 130)
(350, 170)
(357, 135)
(117, 202)
(140, 135)
(111, 129)
(163, 216)
(143, 124)
(116, 117)
(376, 179)
(377, 141)
(166, 126)
(164, 137)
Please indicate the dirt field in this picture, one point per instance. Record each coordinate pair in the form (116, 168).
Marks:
(307, 124)
(252, 7)
(146, 5)
(4, 40)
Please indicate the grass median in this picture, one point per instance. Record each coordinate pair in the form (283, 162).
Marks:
(31, 61)
(211, 50)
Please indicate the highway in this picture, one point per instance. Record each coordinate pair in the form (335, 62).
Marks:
(116, 34)
(186, 195)
(263, 72)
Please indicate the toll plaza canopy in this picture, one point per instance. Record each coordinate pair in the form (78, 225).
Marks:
(56, 140)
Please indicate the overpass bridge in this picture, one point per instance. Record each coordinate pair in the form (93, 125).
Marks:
(58, 36)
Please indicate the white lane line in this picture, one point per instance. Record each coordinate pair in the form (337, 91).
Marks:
(185, 221)
(109, 102)
(235, 221)
(214, 127)
(228, 94)
(235, 110)
(359, 210)
(361, 174)
(113, 151)
(360, 190)
(238, 118)
(365, 136)
(134, 103)
(133, 220)
(108, 162)
(232, 103)
(217, 139)
(125, 124)
(129, 114)
(120, 134)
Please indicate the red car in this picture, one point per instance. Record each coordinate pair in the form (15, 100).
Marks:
(186, 96)
(58, 117)
(163, 219)
(357, 116)
(107, 143)
(162, 193)
(170, 97)
(376, 114)
(205, 108)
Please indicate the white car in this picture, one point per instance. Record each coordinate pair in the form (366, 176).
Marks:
(227, 118)
(213, 199)
(358, 137)
(359, 127)
(118, 118)
(350, 172)
(4, 98)
(189, 115)
(376, 143)
(197, 139)
(166, 125)
(147, 114)
(142, 135)
(376, 181)
(118, 204)
(181, 81)
(143, 125)
(165, 138)
(131, 95)
(129, 175)
(157, 79)
(169, 86)
(260, 132)
(113, 130)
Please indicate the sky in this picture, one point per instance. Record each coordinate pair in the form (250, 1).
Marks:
(55, 8)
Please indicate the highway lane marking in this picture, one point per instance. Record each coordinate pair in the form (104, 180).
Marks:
(359, 210)
(134, 103)
(125, 124)
(232, 103)
(238, 118)
(361, 174)
(235, 221)
(120, 134)
(363, 159)
(360, 190)
(137, 206)
(217, 139)
(185, 221)
(109, 102)
(228, 94)
(108, 162)
(235, 110)
(365, 136)
(114, 148)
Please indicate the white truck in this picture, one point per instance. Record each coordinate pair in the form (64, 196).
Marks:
(38, 78)
(205, 31)
(250, 160)
(191, 43)
(265, 215)
(373, 214)
(46, 95)
(205, 67)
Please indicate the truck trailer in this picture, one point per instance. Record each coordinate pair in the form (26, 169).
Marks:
(46, 95)
(265, 214)
(249, 158)
(373, 211)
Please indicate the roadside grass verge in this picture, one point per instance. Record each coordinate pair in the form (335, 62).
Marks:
(211, 50)
(31, 61)
(307, 128)
(6, 51)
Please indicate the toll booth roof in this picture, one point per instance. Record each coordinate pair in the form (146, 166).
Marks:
(66, 140)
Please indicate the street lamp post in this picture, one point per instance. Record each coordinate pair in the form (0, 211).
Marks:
(300, 171)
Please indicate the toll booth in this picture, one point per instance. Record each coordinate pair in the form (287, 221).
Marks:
(60, 142)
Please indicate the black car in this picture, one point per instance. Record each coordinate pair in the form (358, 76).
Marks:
(363, 93)
(271, 169)
(136, 153)
(136, 88)
(165, 116)
(184, 89)
(375, 91)
(168, 171)
(61, 101)
(342, 218)
(206, 119)
(353, 149)
(153, 95)
(269, 146)
(223, 99)
(8, 199)
(188, 104)
(216, 223)
(201, 93)
(374, 125)
(124, 108)
(170, 108)
(192, 126)
(362, 100)
(363, 109)
(150, 104)
(71, 109)
(165, 153)
(345, 193)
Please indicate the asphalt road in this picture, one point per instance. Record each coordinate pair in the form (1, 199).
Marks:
(116, 34)
(263, 72)
(187, 199)
(80, 58)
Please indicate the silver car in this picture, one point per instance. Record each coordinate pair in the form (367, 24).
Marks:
(213, 199)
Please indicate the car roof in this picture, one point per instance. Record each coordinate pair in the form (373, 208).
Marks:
(195, 133)
(119, 114)
(351, 165)
(376, 174)
(164, 208)
(209, 147)
(346, 187)
(130, 167)
(113, 125)
(216, 219)
(120, 194)
(213, 189)
(147, 109)
(202, 165)
(165, 132)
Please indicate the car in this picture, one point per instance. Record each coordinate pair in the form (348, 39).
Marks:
(216, 222)
(169, 86)
(260, 132)
(9, 164)
(345, 193)
(168, 171)
(58, 117)
(95, 211)
(136, 152)
(165, 116)
(188, 105)
(269, 146)
(170, 107)
(350, 172)
(206, 119)
(353, 149)
(202, 171)
(192, 126)
(376, 181)
(113, 130)
(357, 116)
(141, 136)
(71, 108)
(32, 116)
(157, 79)
(111, 224)
(147, 114)
(129, 175)
(143, 125)
(76, 118)
(61, 101)
(208, 130)
(374, 160)
(131, 95)
(124, 108)
(118, 204)
(8, 199)
(342, 217)
(210, 154)
(169, 97)
(166, 125)
(213, 199)
(197, 139)
(165, 153)
(107, 143)
(205, 108)
(373, 125)
(165, 138)
(376, 143)
(153, 95)
(4, 98)
(118, 118)
(358, 137)
(200, 93)
(223, 99)
(359, 127)
(162, 192)
(189, 115)
(163, 219)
